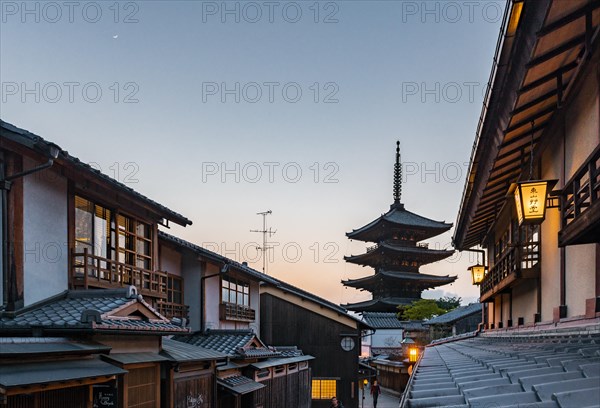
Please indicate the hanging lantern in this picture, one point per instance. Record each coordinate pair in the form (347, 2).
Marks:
(478, 272)
(530, 200)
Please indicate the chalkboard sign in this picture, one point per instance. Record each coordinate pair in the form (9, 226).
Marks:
(105, 396)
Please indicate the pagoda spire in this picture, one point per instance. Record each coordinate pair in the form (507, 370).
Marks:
(397, 176)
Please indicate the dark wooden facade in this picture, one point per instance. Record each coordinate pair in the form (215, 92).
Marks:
(285, 323)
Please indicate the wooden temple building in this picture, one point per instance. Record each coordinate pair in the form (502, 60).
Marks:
(397, 255)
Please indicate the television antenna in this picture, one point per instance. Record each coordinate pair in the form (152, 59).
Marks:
(266, 233)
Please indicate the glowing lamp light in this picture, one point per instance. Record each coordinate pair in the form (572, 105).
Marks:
(477, 273)
(530, 200)
(413, 354)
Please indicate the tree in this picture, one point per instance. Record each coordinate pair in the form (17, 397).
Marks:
(422, 309)
(448, 303)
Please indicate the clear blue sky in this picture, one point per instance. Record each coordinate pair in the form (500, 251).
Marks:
(167, 122)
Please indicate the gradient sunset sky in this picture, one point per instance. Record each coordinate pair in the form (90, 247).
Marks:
(220, 110)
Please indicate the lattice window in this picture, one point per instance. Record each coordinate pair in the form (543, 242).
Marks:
(324, 389)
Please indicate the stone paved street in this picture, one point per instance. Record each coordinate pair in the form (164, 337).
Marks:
(385, 401)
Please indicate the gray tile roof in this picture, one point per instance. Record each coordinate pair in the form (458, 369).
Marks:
(232, 343)
(525, 369)
(184, 352)
(385, 320)
(402, 217)
(382, 320)
(456, 314)
(15, 375)
(66, 311)
(239, 384)
(15, 347)
(272, 362)
(36, 142)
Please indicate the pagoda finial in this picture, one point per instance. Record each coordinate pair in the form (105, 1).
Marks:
(397, 176)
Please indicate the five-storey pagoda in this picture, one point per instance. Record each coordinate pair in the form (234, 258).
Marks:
(397, 255)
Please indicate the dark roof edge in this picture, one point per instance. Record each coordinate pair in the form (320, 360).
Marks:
(507, 78)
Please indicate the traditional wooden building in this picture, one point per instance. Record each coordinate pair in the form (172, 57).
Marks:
(463, 319)
(82, 281)
(290, 315)
(225, 304)
(397, 255)
(540, 122)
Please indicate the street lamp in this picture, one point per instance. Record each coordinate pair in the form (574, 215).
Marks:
(413, 354)
(410, 349)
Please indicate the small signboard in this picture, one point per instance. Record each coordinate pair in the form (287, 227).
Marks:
(105, 396)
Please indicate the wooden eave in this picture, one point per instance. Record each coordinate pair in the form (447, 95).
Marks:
(540, 69)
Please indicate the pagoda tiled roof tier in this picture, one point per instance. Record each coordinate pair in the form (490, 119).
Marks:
(420, 280)
(388, 304)
(390, 256)
(401, 221)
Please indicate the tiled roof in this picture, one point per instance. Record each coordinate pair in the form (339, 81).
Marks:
(456, 314)
(47, 372)
(233, 343)
(69, 309)
(289, 351)
(239, 384)
(15, 347)
(183, 352)
(32, 140)
(257, 275)
(402, 217)
(384, 320)
(525, 370)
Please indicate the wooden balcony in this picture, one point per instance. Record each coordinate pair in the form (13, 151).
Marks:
(580, 204)
(517, 262)
(170, 309)
(91, 271)
(232, 311)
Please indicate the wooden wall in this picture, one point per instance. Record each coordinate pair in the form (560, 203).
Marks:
(286, 324)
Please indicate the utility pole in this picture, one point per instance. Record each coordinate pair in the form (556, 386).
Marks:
(264, 248)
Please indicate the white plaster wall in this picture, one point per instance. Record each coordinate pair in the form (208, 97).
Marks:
(582, 125)
(582, 137)
(524, 298)
(45, 234)
(212, 291)
(170, 260)
(580, 277)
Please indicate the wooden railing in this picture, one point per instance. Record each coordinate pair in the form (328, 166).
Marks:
(232, 311)
(170, 309)
(580, 193)
(505, 266)
(518, 261)
(97, 272)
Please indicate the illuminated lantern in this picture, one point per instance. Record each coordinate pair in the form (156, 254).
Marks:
(530, 200)
(477, 273)
(413, 354)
